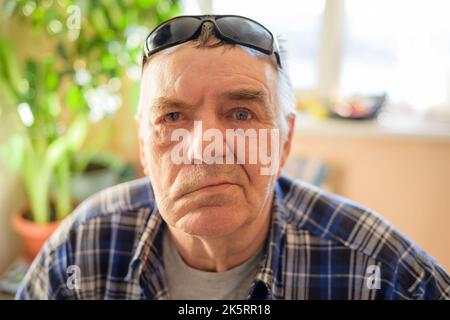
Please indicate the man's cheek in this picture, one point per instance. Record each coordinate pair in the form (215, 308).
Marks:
(259, 183)
(163, 136)
(164, 171)
(255, 178)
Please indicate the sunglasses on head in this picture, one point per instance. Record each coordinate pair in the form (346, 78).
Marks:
(229, 28)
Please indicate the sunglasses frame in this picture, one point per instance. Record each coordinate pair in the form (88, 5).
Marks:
(218, 33)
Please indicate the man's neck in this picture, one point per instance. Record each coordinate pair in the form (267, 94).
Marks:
(218, 254)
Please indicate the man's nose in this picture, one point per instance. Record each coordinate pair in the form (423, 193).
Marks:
(207, 133)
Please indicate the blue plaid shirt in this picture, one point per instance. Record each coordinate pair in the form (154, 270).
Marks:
(320, 246)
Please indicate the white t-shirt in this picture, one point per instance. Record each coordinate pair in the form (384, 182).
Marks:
(187, 283)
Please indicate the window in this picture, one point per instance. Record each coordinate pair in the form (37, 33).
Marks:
(402, 47)
(298, 22)
(350, 47)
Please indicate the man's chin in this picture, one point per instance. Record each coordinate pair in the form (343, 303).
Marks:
(212, 221)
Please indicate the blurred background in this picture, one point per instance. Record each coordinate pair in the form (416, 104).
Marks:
(371, 78)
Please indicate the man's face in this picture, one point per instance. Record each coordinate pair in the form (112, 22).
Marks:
(221, 88)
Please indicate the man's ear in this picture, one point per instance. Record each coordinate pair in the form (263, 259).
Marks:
(288, 142)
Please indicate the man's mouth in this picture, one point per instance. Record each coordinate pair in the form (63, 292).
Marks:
(218, 186)
(215, 187)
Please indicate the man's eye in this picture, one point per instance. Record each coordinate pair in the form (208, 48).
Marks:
(172, 117)
(242, 115)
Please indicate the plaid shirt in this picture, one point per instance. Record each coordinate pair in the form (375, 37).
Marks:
(320, 246)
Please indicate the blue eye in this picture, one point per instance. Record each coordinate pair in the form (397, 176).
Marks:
(172, 117)
(242, 115)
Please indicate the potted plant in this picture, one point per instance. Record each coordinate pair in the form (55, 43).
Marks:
(54, 99)
(41, 149)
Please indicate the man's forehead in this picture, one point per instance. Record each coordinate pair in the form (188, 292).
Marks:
(187, 60)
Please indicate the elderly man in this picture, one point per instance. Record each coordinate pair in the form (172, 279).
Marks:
(214, 218)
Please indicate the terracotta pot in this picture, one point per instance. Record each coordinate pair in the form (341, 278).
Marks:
(33, 235)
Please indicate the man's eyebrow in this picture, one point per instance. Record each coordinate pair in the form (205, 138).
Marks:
(246, 94)
(163, 103)
(251, 95)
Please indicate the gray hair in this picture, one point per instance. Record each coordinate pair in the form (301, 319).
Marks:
(285, 94)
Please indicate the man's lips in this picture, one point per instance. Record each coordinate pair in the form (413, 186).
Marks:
(217, 186)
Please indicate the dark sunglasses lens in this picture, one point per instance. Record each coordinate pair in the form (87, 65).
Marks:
(245, 31)
(172, 32)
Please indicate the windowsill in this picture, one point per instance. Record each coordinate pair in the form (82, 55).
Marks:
(306, 125)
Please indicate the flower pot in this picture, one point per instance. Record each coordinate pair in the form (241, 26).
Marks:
(33, 235)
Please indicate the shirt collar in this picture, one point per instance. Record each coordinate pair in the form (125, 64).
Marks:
(269, 274)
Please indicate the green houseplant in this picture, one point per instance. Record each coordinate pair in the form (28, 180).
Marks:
(54, 98)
